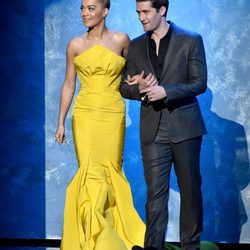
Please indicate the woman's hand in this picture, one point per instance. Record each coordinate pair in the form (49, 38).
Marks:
(60, 134)
(132, 80)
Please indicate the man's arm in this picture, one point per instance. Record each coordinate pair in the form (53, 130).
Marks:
(197, 68)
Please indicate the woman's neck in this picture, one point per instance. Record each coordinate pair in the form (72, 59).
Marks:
(97, 33)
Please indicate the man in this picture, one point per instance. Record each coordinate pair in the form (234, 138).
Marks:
(166, 70)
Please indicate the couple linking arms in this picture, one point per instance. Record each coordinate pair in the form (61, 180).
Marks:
(165, 69)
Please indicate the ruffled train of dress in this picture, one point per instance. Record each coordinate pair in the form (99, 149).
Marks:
(99, 212)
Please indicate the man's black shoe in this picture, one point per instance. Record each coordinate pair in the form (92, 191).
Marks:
(140, 248)
(137, 248)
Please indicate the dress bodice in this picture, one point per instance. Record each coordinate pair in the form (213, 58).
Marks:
(99, 71)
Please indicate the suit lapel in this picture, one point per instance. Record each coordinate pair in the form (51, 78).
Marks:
(170, 52)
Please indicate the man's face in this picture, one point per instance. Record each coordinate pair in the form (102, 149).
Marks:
(149, 16)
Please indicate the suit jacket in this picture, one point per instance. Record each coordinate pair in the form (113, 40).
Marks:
(184, 76)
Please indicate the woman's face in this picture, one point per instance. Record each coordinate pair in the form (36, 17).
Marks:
(92, 13)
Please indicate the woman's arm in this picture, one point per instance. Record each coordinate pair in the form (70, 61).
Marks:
(125, 45)
(67, 92)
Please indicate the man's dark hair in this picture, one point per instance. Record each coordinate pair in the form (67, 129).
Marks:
(157, 4)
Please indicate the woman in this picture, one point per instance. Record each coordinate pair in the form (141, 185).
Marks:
(99, 212)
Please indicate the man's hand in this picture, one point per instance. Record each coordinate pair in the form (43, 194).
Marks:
(155, 93)
(148, 85)
(147, 82)
(150, 80)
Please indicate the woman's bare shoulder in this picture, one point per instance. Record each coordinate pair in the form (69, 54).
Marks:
(120, 36)
(77, 43)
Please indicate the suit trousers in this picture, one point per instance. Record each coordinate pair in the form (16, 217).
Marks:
(158, 157)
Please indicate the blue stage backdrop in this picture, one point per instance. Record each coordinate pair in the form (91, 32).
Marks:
(33, 163)
(225, 155)
(22, 119)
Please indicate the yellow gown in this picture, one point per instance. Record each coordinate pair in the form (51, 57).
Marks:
(99, 212)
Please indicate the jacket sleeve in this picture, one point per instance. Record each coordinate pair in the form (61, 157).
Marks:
(197, 74)
(130, 91)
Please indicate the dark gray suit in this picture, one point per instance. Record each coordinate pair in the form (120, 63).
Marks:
(171, 132)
